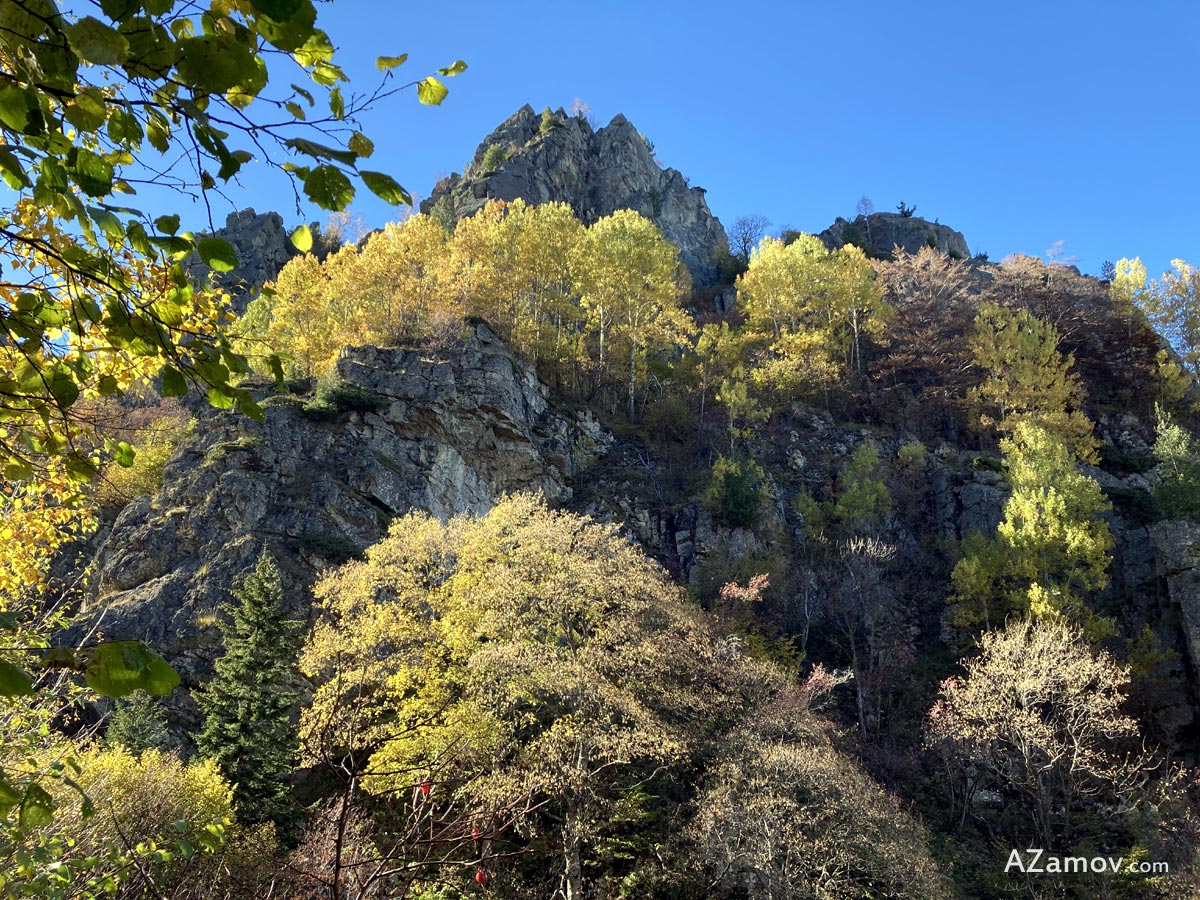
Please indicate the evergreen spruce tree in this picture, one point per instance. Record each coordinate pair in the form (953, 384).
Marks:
(137, 724)
(248, 727)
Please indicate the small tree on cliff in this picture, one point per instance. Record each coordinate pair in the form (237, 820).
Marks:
(248, 704)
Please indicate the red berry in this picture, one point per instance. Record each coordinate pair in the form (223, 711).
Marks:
(481, 876)
(425, 787)
(474, 834)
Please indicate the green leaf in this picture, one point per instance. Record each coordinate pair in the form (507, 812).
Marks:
(296, 110)
(302, 239)
(12, 170)
(383, 63)
(118, 668)
(328, 187)
(456, 68)
(119, 9)
(17, 469)
(431, 92)
(232, 164)
(385, 187)
(242, 95)
(152, 50)
(9, 796)
(167, 224)
(292, 32)
(337, 106)
(173, 382)
(63, 388)
(19, 110)
(248, 408)
(37, 808)
(216, 62)
(107, 222)
(124, 128)
(123, 454)
(360, 145)
(217, 254)
(320, 151)
(14, 682)
(158, 131)
(279, 10)
(97, 43)
(92, 173)
(87, 111)
(220, 399)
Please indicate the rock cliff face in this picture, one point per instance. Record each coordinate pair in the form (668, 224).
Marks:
(596, 172)
(1177, 557)
(878, 233)
(444, 433)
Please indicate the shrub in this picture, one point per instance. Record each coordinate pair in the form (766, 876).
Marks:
(493, 159)
(786, 812)
(912, 456)
(853, 234)
(137, 724)
(1177, 493)
(549, 121)
(442, 212)
(736, 489)
(156, 442)
(334, 396)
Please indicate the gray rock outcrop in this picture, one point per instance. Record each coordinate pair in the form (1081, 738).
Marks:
(263, 248)
(878, 233)
(1177, 558)
(444, 433)
(596, 172)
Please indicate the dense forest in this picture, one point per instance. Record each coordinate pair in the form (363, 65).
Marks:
(529, 549)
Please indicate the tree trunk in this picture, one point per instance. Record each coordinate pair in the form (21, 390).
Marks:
(632, 379)
(572, 857)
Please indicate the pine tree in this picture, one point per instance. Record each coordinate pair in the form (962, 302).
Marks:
(248, 727)
(137, 724)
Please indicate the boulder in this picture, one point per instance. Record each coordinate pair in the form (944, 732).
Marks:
(879, 233)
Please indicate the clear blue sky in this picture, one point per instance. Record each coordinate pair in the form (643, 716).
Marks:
(1018, 123)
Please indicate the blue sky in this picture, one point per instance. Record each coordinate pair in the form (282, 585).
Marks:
(1020, 124)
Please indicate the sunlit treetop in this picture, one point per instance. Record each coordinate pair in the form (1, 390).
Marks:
(100, 99)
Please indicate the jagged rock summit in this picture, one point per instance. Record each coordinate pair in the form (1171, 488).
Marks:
(878, 233)
(595, 171)
(263, 248)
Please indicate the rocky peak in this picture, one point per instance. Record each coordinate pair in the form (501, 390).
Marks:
(263, 248)
(596, 173)
(878, 233)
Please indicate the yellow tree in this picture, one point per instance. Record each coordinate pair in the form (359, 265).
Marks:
(525, 654)
(403, 282)
(1125, 289)
(1051, 549)
(1039, 718)
(854, 301)
(811, 307)
(1028, 379)
(546, 317)
(630, 284)
(480, 266)
(1173, 305)
(313, 310)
